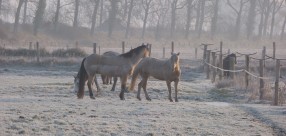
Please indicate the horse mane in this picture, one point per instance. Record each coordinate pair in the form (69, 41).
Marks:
(133, 51)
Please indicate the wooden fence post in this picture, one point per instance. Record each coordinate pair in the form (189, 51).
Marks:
(208, 61)
(123, 46)
(247, 69)
(172, 51)
(276, 93)
(274, 50)
(205, 55)
(98, 50)
(214, 64)
(94, 48)
(38, 52)
(228, 51)
(261, 81)
(263, 55)
(231, 67)
(220, 61)
(196, 53)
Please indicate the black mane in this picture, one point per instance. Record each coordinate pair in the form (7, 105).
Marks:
(133, 51)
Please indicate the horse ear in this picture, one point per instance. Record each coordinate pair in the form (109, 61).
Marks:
(178, 53)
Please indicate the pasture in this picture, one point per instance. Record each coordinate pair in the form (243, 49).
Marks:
(39, 100)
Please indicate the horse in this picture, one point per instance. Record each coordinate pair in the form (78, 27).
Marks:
(121, 66)
(226, 63)
(167, 70)
(105, 79)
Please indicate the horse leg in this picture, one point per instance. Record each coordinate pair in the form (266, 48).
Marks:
(176, 90)
(123, 87)
(89, 83)
(97, 86)
(144, 85)
(169, 89)
(114, 83)
(139, 90)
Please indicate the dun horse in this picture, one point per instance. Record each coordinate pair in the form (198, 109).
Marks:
(120, 66)
(105, 79)
(168, 70)
(227, 63)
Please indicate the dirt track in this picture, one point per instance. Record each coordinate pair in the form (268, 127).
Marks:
(41, 102)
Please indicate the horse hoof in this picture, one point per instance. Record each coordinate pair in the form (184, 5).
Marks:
(112, 90)
(171, 100)
(148, 99)
(122, 98)
(139, 98)
(92, 97)
(176, 101)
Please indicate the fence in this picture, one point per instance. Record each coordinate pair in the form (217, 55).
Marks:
(208, 66)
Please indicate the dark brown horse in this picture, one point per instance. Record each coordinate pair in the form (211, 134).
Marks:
(121, 66)
(227, 63)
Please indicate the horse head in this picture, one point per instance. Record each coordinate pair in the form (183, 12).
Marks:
(175, 61)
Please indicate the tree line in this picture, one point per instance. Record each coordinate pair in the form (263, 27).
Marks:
(236, 19)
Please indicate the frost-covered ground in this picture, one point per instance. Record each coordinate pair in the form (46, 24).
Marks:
(40, 101)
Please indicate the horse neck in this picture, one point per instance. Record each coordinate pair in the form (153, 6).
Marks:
(135, 59)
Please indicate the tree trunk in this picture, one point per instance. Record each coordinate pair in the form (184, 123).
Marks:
(266, 16)
(283, 29)
(93, 21)
(146, 14)
(112, 16)
(214, 19)
(17, 16)
(0, 7)
(39, 15)
(202, 17)
(173, 16)
(260, 27)
(25, 12)
(101, 12)
(157, 33)
(189, 14)
(57, 14)
(198, 16)
(251, 19)
(126, 8)
(129, 18)
(75, 19)
(272, 21)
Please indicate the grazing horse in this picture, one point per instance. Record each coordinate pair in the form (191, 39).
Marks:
(120, 66)
(226, 63)
(167, 70)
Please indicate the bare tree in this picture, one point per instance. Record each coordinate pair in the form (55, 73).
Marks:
(146, 6)
(198, 11)
(101, 12)
(189, 14)
(57, 14)
(266, 12)
(0, 7)
(276, 7)
(131, 5)
(39, 15)
(214, 19)
(202, 17)
(251, 19)
(75, 20)
(283, 29)
(17, 16)
(112, 16)
(93, 21)
(25, 11)
(238, 18)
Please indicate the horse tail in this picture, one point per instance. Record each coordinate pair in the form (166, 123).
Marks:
(82, 78)
(134, 77)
